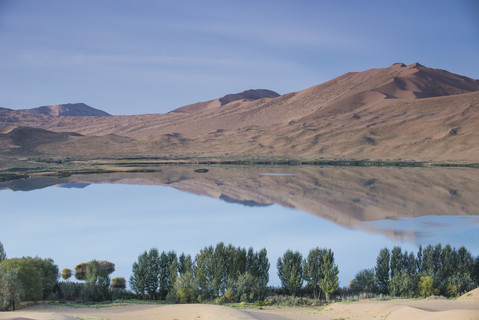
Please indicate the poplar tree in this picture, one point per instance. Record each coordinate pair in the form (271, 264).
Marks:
(312, 270)
(329, 280)
(290, 272)
(3, 255)
(382, 270)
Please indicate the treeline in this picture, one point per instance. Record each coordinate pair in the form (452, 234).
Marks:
(224, 272)
(433, 270)
(34, 279)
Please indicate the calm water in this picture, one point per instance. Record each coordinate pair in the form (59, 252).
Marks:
(354, 211)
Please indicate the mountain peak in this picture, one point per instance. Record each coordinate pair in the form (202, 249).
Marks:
(68, 109)
(252, 94)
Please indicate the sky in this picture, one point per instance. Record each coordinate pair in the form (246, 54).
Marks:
(136, 57)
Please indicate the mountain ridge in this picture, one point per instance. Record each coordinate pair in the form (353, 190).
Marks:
(68, 109)
(399, 112)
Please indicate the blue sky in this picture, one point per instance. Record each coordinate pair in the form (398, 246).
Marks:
(131, 57)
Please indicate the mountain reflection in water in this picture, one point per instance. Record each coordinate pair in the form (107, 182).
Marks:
(104, 216)
(343, 195)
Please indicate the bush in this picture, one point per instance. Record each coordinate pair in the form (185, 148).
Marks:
(69, 290)
(66, 274)
(121, 294)
(425, 286)
(403, 285)
(451, 290)
(186, 288)
(289, 301)
(364, 281)
(118, 283)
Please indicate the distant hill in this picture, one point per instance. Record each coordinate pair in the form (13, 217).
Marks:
(408, 112)
(69, 109)
(247, 95)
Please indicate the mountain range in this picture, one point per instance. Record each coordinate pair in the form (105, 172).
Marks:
(408, 112)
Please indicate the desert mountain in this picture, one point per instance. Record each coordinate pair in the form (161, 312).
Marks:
(248, 95)
(400, 112)
(69, 109)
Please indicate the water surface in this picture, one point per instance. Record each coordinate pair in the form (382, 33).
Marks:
(354, 211)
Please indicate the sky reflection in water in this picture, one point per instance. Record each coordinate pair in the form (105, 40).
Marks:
(118, 222)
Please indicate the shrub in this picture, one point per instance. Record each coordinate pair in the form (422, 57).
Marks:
(186, 288)
(69, 290)
(451, 290)
(121, 294)
(66, 274)
(364, 281)
(425, 286)
(403, 285)
(118, 283)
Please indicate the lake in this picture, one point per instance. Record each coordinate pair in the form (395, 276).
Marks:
(354, 211)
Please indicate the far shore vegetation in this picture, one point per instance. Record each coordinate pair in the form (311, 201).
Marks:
(224, 274)
(64, 167)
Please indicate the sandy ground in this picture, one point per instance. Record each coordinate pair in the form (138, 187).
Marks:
(466, 307)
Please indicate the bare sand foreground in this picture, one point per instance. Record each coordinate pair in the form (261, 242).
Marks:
(466, 307)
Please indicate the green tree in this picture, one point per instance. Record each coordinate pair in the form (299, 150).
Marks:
(312, 270)
(245, 289)
(290, 271)
(403, 285)
(382, 270)
(330, 280)
(220, 270)
(3, 255)
(205, 272)
(364, 281)
(29, 274)
(10, 288)
(186, 287)
(168, 272)
(475, 271)
(82, 270)
(396, 264)
(409, 263)
(49, 274)
(258, 267)
(419, 260)
(138, 277)
(185, 264)
(97, 285)
(145, 273)
(428, 263)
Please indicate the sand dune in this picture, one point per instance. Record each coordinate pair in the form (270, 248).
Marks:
(466, 307)
(401, 112)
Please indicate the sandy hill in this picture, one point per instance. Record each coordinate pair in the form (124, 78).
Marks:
(247, 95)
(69, 109)
(400, 112)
